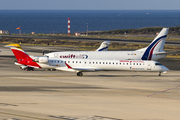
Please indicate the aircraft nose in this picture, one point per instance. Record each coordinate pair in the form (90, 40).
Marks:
(164, 68)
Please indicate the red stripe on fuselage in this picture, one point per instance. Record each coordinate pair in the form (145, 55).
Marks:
(23, 58)
(68, 66)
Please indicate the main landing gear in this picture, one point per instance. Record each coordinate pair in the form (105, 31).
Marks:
(29, 68)
(79, 74)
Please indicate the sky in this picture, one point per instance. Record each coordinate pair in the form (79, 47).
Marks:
(89, 4)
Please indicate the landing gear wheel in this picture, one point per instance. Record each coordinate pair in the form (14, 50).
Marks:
(29, 68)
(159, 74)
(79, 74)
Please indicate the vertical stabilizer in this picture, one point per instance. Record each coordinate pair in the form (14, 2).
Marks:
(156, 45)
(19, 53)
(104, 46)
(22, 57)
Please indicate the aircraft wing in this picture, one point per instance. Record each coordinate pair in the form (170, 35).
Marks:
(84, 69)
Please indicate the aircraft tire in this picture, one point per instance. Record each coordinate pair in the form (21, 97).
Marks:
(79, 74)
(159, 74)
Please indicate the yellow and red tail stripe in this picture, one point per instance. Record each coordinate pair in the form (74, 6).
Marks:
(21, 56)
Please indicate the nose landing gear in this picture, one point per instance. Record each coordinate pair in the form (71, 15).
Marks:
(159, 74)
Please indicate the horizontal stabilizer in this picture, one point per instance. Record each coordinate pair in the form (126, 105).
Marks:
(13, 46)
(161, 53)
(169, 52)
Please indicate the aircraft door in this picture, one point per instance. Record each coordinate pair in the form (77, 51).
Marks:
(149, 66)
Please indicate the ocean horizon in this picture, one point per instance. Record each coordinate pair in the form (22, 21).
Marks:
(55, 21)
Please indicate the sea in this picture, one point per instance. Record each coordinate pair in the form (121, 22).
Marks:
(56, 21)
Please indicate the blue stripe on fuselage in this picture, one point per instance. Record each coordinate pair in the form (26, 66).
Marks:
(146, 53)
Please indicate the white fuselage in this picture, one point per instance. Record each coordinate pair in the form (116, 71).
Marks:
(78, 65)
(152, 52)
(123, 55)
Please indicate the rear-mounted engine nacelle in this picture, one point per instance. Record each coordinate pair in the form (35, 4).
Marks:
(43, 59)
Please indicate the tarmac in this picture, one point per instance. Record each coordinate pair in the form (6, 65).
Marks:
(108, 95)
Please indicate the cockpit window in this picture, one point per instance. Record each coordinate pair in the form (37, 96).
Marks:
(158, 64)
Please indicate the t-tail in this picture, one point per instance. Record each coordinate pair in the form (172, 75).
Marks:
(22, 57)
(104, 46)
(155, 49)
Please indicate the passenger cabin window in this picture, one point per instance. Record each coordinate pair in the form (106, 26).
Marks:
(61, 61)
(99, 62)
(76, 61)
(68, 61)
